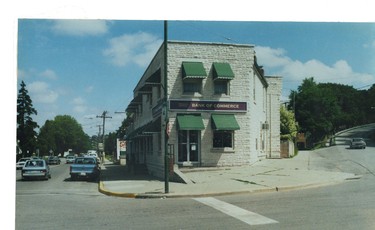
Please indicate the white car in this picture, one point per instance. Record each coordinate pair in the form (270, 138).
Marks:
(93, 155)
(21, 162)
(357, 143)
(70, 159)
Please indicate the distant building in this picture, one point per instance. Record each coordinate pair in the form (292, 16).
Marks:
(221, 109)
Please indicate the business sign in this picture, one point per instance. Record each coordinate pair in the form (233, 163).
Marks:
(183, 105)
(121, 148)
(101, 146)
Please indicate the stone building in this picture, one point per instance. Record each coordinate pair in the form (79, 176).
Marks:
(219, 110)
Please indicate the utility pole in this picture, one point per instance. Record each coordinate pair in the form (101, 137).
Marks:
(103, 116)
(98, 139)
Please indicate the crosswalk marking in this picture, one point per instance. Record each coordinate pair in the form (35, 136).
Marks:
(246, 216)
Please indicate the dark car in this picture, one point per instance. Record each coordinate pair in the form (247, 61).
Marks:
(54, 160)
(37, 168)
(357, 143)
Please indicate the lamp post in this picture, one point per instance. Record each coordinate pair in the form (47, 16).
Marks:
(166, 158)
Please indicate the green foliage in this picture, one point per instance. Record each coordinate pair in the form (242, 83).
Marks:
(110, 144)
(26, 134)
(121, 132)
(325, 108)
(61, 134)
(288, 126)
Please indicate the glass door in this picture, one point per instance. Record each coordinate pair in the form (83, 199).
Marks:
(188, 146)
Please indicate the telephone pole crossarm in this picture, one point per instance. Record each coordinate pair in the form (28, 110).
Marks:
(103, 116)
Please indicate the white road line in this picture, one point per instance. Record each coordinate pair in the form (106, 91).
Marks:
(248, 217)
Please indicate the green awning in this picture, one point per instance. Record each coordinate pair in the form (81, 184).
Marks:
(224, 122)
(193, 70)
(222, 71)
(190, 122)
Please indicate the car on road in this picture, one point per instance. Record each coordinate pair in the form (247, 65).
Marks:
(21, 162)
(70, 159)
(54, 160)
(85, 167)
(357, 143)
(36, 169)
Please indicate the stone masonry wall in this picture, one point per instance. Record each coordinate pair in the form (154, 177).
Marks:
(274, 94)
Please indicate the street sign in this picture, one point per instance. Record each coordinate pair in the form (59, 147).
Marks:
(101, 146)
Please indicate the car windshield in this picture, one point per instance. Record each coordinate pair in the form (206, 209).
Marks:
(85, 161)
(34, 164)
(357, 139)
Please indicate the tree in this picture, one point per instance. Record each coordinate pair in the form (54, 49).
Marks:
(288, 126)
(46, 138)
(325, 108)
(350, 102)
(26, 134)
(110, 143)
(61, 134)
(315, 109)
(369, 97)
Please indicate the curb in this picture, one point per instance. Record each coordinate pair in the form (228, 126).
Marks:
(164, 196)
(118, 194)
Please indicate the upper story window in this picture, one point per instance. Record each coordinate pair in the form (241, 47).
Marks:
(222, 75)
(221, 87)
(193, 86)
(192, 75)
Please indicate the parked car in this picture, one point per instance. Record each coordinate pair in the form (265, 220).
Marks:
(37, 169)
(70, 159)
(21, 162)
(54, 160)
(86, 167)
(357, 143)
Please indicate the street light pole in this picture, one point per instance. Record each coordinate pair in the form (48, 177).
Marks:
(166, 158)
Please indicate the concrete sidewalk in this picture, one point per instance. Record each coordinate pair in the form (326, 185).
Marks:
(266, 175)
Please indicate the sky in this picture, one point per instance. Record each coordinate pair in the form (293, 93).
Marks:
(84, 67)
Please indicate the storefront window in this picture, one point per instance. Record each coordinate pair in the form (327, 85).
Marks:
(223, 139)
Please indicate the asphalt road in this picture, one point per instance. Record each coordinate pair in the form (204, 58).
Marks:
(63, 204)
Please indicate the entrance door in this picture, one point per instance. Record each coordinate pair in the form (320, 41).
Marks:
(188, 146)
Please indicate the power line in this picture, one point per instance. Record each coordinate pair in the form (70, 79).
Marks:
(208, 32)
